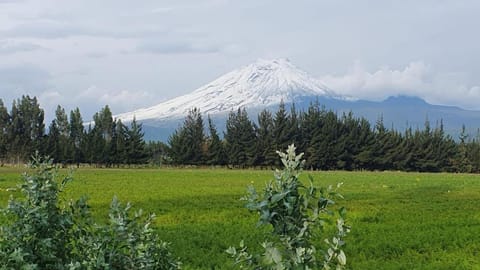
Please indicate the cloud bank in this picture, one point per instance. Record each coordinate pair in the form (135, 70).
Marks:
(132, 54)
(416, 79)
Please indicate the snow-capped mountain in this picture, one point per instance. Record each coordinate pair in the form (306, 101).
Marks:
(258, 85)
(265, 83)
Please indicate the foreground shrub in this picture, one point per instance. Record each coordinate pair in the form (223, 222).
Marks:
(296, 214)
(40, 232)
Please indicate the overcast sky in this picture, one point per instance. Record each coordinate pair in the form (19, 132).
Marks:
(132, 54)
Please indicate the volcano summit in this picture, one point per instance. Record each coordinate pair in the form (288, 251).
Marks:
(262, 84)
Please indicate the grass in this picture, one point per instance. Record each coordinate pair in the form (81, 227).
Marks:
(399, 220)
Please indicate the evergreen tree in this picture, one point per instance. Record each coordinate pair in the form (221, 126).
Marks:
(136, 152)
(310, 130)
(366, 140)
(444, 149)
(187, 142)
(347, 142)
(281, 129)
(54, 147)
(462, 162)
(293, 125)
(177, 147)
(406, 152)
(102, 134)
(425, 159)
(357, 142)
(76, 136)
(87, 145)
(16, 146)
(64, 146)
(118, 145)
(328, 142)
(27, 130)
(473, 153)
(385, 147)
(216, 151)
(265, 140)
(240, 139)
(104, 123)
(4, 124)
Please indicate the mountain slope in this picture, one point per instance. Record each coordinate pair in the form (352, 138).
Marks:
(258, 85)
(263, 84)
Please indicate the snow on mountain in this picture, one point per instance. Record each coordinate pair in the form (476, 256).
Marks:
(261, 84)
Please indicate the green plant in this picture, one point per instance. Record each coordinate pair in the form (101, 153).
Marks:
(126, 242)
(43, 233)
(297, 214)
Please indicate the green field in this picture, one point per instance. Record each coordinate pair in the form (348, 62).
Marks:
(399, 220)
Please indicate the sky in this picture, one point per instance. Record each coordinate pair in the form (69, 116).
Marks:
(133, 54)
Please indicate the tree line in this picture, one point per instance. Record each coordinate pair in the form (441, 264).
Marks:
(106, 142)
(330, 141)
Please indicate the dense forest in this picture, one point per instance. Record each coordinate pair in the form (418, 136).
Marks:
(329, 141)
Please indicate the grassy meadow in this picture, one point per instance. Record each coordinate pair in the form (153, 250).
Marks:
(399, 220)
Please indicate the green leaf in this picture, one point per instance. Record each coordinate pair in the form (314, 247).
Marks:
(342, 259)
(232, 251)
(272, 255)
(277, 197)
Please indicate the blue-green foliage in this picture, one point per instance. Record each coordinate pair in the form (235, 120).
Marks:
(43, 233)
(295, 213)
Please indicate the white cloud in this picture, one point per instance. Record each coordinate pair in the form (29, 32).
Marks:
(416, 79)
(381, 83)
(119, 98)
(91, 100)
(94, 98)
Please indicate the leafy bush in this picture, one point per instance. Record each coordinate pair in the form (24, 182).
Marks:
(296, 213)
(42, 233)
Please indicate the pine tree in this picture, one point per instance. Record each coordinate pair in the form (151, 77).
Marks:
(462, 161)
(327, 141)
(27, 129)
(363, 158)
(347, 142)
(136, 152)
(293, 125)
(54, 147)
(4, 124)
(444, 149)
(383, 159)
(187, 142)
(310, 128)
(104, 123)
(64, 146)
(240, 139)
(102, 135)
(216, 151)
(87, 146)
(473, 152)
(265, 140)
(118, 145)
(281, 129)
(177, 147)
(76, 136)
